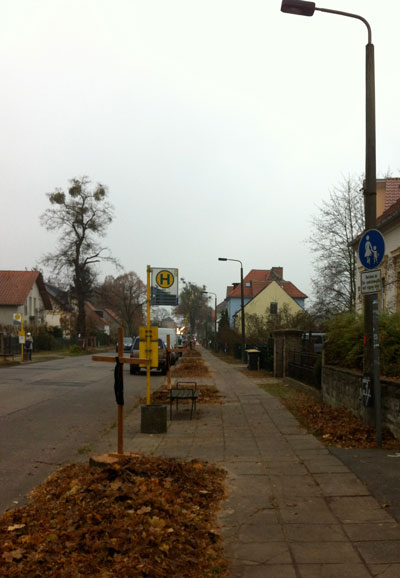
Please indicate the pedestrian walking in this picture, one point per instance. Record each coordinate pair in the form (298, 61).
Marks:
(29, 345)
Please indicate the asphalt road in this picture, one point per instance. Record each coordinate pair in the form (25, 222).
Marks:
(52, 413)
(379, 470)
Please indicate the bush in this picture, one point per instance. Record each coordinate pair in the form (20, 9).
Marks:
(389, 340)
(345, 341)
(75, 350)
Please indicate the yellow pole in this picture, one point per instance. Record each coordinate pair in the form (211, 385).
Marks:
(148, 337)
(22, 330)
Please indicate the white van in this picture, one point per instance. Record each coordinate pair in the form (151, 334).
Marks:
(164, 331)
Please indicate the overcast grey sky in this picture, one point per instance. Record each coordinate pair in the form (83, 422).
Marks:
(219, 126)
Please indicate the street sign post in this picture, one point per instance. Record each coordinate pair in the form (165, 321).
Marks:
(18, 319)
(371, 252)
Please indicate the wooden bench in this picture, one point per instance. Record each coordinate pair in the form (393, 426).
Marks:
(181, 391)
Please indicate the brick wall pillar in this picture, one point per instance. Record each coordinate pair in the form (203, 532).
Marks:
(285, 341)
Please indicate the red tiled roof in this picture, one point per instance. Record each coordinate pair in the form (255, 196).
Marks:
(392, 192)
(92, 310)
(113, 315)
(388, 212)
(261, 278)
(16, 285)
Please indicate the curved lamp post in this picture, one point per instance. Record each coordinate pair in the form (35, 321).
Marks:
(241, 305)
(371, 343)
(215, 316)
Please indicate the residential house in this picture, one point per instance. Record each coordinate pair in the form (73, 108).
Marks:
(23, 292)
(95, 319)
(64, 310)
(113, 320)
(256, 281)
(101, 320)
(388, 223)
(275, 296)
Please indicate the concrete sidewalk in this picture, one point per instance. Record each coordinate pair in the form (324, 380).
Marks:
(293, 510)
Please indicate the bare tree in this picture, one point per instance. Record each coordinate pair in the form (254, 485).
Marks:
(79, 216)
(193, 305)
(126, 296)
(339, 221)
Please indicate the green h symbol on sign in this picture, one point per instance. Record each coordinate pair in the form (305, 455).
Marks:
(164, 279)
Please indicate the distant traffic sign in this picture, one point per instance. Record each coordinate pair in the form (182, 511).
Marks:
(371, 249)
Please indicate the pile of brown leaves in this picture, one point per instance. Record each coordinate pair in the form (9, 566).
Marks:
(336, 426)
(191, 353)
(141, 517)
(190, 367)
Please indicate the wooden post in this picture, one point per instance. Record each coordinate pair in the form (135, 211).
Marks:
(120, 417)
(121, 359)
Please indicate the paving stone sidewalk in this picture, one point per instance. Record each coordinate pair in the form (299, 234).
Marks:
(293, 509)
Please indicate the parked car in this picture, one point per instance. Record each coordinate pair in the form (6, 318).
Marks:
(313, 342)
(162, 357)
(128, 341)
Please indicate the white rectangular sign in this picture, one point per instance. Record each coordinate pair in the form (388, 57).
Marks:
(164, 286)
(371, 282)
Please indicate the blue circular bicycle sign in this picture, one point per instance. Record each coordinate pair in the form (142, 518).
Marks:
(371, 249)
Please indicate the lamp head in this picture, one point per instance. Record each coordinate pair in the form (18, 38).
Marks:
(299, 7)
(222, 259)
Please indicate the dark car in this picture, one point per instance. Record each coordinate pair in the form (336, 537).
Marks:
(162, 357)
(128, 341)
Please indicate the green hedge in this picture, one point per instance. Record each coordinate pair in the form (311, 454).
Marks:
(345, 342)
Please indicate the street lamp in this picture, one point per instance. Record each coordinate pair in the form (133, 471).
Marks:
(371, 344)
(241, 305)
(215, 317)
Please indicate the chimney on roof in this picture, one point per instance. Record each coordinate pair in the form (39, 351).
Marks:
(277, 272)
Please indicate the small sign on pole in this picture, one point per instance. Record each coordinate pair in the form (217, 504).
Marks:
(17, 318)
(371, 282)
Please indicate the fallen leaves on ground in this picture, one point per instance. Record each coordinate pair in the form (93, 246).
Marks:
(333, 426)
(191, 353)
(140, 517)
(190, 367)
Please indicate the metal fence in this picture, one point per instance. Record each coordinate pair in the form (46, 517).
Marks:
(305, 367)
(9, 345)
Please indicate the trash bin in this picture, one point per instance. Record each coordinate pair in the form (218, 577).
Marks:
(253, 359)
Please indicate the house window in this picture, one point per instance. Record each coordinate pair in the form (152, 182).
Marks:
(273, 309)
(248, 284)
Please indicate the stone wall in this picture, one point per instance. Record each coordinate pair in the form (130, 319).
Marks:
(343, 388)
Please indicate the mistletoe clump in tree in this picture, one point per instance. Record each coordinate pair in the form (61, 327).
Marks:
(81, 216)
